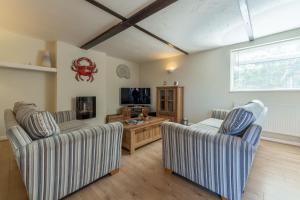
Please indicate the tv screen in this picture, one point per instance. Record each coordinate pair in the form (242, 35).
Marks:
(135, 96)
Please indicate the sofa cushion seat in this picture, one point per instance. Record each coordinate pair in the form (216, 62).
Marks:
(212, 122)
(204, 128)
(72, 125)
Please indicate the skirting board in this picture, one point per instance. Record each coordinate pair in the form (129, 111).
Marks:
(281, 138)
(2, 138)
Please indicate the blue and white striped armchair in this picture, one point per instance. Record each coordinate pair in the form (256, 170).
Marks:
(59, 165)
(218, 162)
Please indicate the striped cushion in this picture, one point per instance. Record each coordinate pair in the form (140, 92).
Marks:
(22, 115)
(38, 124)
(236, 121)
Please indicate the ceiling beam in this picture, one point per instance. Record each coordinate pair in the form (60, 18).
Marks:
(247, 18)
(125, 24)
(108, 10)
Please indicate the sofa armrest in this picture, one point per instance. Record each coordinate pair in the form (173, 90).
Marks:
(64, 116)
(219, 113)
(252, 135)
(219, 162)
(54, 167)
(18, 139)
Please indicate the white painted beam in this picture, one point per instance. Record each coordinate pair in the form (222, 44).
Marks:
(246, 17)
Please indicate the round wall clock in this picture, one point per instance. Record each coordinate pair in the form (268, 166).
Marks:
(123, 71)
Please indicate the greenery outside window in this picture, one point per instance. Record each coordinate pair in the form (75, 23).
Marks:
(268, 67)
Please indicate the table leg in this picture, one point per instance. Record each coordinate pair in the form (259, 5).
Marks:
(131, 145)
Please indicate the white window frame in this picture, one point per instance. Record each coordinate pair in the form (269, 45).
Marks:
(257, 90)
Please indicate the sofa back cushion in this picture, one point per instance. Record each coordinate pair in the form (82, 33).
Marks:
(236, 121)
(21, 105)
(242, 117)
(38, 124)
(256, 107)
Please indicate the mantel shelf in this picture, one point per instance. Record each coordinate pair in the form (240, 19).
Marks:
(27, 67)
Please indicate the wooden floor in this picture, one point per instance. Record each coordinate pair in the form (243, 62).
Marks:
(274, 176)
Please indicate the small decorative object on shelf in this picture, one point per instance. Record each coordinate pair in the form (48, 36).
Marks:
(46, 59)
(185, 121)
(84, 67)
(165, 83)
(123, 71)
(176, 83)
(141, 116)
(145, 112)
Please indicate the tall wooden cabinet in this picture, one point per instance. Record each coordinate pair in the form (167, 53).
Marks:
(169, 103)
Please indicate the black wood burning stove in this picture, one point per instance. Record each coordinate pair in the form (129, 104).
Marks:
(85, 107)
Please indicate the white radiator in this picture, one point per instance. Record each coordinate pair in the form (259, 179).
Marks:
(284, 119)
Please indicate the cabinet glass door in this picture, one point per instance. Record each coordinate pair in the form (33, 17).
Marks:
(170, 100)
(170, 94)
(162, 100)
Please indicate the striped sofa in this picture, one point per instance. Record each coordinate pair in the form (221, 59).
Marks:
(218, 162)
(57, 166)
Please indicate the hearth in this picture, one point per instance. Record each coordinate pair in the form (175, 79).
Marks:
(85, 107)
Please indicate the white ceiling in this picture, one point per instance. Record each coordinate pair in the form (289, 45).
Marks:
(274, 16)
(192, 25)
(72, 21)
(196, 25)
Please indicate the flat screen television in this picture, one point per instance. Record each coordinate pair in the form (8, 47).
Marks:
(135, 96)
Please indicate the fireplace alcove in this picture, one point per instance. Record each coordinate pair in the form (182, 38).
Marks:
(85, 107)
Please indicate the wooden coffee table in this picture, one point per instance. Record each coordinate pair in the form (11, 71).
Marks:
(135, 136)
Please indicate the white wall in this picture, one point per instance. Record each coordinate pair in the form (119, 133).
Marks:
(114, 83)
(18, 85)
(68, 87)
(206, 80)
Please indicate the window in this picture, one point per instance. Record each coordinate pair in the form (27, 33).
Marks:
(267, 67)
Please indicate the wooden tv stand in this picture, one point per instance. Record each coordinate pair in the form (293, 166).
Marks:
(133, 111)
(135, 136)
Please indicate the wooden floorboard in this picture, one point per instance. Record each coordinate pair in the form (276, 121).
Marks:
(11, 185)
(275, 176)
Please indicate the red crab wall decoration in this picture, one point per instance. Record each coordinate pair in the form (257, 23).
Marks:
(84, 67)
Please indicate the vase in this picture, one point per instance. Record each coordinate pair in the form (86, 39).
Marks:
(46, 59)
